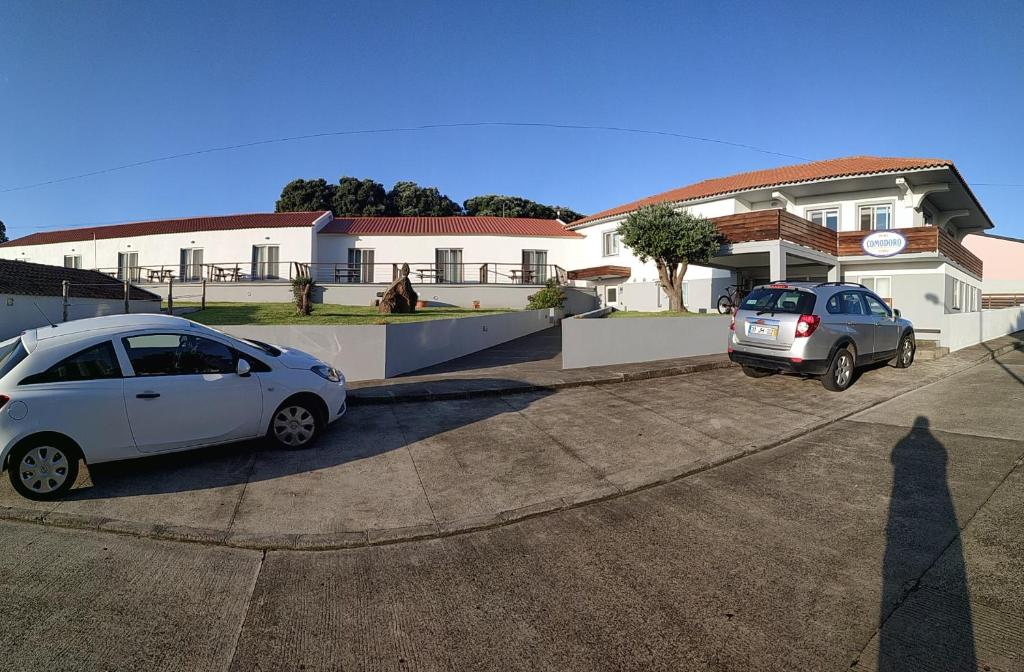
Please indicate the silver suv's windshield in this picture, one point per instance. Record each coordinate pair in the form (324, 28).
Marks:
(11, 354)
(779, 300)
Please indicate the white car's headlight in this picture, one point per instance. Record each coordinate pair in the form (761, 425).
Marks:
(328, 373)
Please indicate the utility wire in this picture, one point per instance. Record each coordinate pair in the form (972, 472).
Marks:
(403, 129)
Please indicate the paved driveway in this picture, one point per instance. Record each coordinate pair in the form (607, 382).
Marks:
(906, 515)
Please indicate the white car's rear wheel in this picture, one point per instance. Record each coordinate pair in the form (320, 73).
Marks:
(43, 469)
(294, 425)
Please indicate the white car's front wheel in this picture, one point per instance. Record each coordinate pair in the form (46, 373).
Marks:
(296, 424)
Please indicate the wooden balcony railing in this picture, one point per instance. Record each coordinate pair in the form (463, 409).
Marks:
(777, 224)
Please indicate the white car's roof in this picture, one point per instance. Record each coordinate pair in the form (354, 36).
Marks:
(109, 324)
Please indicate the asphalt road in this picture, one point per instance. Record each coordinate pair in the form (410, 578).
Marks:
(789, 559)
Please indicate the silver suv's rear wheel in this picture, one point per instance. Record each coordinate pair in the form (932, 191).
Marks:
(840, 372)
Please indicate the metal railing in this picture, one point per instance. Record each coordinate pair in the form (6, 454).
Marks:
(486, 273)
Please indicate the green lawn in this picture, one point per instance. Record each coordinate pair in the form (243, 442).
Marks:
(284, 313)
(660, 313)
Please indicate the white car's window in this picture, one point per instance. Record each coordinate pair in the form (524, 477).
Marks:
(177, 354)
(11, 353)
(94, 363)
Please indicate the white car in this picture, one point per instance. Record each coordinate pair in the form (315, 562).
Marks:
(125, 386)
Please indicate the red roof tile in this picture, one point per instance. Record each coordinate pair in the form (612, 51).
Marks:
(425, 226)
(184, 225)
(771, 177)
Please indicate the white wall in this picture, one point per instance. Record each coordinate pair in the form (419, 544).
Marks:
(967, 329)
(370, 352)
(219, 247)
(19, 312)
(605, 341)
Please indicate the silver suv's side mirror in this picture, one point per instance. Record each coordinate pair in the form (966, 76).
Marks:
(896, 313)
(242, 368)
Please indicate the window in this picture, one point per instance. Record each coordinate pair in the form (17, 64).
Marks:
(191, 264)
(610, 241)
(845, 303)
(535, 266)
(876, 307)
(611, 295)
(880, 285)
(264, 262)
(956, 294)
(874, 217)
(776, 300)
(360, 266)
(94, 363)
(448, 265)
(128, 266)
(11, 353)
(827, 217)
(178, 354)
(72, 261)
(927, 217)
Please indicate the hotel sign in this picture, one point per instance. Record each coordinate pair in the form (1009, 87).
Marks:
(883, 243)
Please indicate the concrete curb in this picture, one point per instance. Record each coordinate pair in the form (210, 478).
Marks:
(384, 396)
(377, 537)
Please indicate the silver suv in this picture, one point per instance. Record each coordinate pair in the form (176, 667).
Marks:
(822, 329)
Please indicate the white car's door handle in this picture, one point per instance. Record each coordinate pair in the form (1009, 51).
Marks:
(147, 395)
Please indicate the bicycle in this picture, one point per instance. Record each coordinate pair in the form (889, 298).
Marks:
(731, 300)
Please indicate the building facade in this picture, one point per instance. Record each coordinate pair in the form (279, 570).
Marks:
(895, 225)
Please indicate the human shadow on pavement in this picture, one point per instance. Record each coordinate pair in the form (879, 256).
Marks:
(365, 431)
(922, 525)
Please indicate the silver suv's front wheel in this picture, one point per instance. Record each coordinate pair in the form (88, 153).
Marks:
(905, 354)
(840, 372)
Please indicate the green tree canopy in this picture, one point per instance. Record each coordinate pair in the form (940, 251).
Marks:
(673, 240)
(497, 205)
(3, 233)
(359, 198)
(306, 195)
(409, 198)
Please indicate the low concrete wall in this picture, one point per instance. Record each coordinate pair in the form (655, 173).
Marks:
(19, 312)
(370, 352)
(578, 299)
(966, 329)
(600, 342)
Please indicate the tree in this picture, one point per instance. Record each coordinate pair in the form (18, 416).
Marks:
(306, 195)
(359, 198)
(409, 198)
(3, 232)
(497, 205)
(674, 240)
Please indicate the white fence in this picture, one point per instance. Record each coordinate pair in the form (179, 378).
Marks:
(371, 352)
(966, 329)
(603, 341)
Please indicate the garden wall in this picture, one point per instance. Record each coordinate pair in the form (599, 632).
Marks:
(966, 329)
(603, 341)
(370, 352)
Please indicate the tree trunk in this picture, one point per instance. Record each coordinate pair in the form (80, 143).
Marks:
(668, 283)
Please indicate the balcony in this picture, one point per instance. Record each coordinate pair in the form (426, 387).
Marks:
(765, 225)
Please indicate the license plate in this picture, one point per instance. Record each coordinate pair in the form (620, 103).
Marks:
(763, 330)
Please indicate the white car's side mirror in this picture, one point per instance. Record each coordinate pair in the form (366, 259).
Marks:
(242, 368)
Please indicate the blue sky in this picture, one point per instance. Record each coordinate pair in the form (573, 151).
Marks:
(86, 86)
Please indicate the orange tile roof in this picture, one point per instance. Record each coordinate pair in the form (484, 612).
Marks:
(185, 225)
(771, 177)
(459, 225)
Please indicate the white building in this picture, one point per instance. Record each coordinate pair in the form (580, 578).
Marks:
(893, 224)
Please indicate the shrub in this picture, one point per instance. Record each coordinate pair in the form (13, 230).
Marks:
(551, 296)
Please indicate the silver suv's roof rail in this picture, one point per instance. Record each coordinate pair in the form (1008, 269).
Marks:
(840, 283)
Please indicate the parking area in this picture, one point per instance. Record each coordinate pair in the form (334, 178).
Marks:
(409, 470)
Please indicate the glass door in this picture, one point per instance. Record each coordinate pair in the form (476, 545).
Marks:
(128, 266)
(535, 267)
(448, 265)
(191, 264)
(360, 264)
(264, 262)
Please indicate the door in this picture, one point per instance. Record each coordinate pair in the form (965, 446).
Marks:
(128, 266)
(185, 393)
(861, 325)
(264, 262)
(535, 267)
(360, 263)
(448, 265)
(887, 331)
(191, 264)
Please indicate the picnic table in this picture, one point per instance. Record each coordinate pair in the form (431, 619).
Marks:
(223, 274)
(347, 274)
(435, 274)
(159, 274)
(522, 275)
